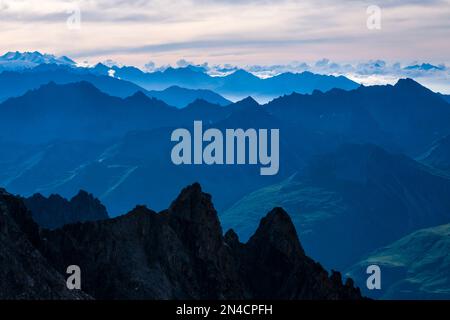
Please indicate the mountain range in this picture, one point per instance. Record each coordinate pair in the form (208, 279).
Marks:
(236, 86)
(25, 60)
(364, 173)
(377, 195)
(17, 83)
(180, 253)
(406, 117)
(29, 70)
(108, 144)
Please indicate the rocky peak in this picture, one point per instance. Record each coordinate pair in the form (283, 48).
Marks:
(90, 207)
(277, 231)
(179, 253)
(231, 237)
(193, 217)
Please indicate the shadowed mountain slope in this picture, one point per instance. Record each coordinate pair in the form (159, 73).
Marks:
(378, 196)
(55, 211)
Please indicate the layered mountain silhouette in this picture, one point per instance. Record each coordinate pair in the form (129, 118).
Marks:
(237, 85)
(179, 253)
(55, 211)
(175, 86)
(414, 267)
(347, 177)
(113, 146)
(17, 83)
(181, 97)
(78, 111)
(406, 117)
(355, 200)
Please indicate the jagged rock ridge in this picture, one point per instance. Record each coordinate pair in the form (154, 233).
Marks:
(181, 253)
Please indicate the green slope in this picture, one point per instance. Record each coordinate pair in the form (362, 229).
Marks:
(415, 267)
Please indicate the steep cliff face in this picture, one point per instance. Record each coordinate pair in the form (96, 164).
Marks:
(179, 253)
(55, 211)
(24, 272)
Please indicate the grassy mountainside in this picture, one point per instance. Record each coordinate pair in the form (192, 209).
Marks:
(414, 267)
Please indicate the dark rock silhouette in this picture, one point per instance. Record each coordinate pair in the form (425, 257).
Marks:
(179, 253)
(24, 272)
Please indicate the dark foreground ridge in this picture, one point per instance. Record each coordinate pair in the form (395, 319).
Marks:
(179, 253)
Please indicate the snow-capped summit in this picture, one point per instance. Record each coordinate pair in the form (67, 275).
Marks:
(23, 60)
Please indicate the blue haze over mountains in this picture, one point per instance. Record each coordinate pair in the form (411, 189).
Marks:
(238, 84)
(361, 168)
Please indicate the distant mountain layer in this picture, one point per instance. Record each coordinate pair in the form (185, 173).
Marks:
(125, 81)
(182, 97)
(25, 60)
(238, 84)
(179, 253)
(379, 196)
(414, 267)
(78, 111)
(424, 67)
(55, 211)
(369, 114)
(14, 84)
(406, 117)
(80, 138)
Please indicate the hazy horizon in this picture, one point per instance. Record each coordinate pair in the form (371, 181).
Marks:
(237, 32)
(261, 34)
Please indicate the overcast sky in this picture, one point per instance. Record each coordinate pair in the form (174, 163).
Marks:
(228, 31)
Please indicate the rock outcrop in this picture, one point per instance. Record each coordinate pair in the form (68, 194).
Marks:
(181, 253)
